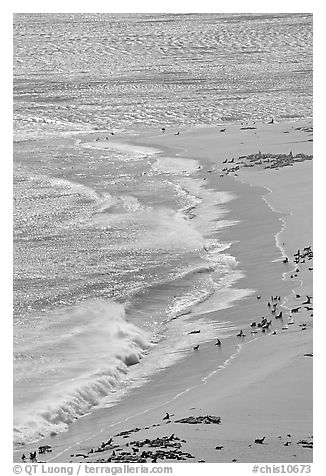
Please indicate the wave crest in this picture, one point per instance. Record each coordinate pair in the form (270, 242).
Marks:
(92, 348)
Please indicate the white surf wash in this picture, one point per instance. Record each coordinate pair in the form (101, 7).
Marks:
(87, 350)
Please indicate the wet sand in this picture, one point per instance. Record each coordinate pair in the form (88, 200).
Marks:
(264, 389)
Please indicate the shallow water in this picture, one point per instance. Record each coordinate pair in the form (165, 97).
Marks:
(106, 255)
(116, 247)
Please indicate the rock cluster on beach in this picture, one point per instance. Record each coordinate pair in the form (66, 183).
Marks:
(141, 451)
(267, 160)
(167, 447)
(200, 419)
(156, 450)
(306, 444)
(41, 451)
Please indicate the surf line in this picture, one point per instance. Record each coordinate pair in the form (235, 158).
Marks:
(203, 381)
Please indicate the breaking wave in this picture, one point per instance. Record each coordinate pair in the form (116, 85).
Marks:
(91, 350)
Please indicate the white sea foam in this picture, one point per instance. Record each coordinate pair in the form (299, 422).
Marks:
(74, 187)
(132, 150)
(158, 228)
(87, 351)
(175, 165)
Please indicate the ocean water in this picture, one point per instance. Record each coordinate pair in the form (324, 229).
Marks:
(116, 248)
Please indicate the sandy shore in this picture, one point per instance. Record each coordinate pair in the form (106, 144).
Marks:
(264, 389)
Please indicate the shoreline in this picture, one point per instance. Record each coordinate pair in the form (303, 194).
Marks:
(248, 305)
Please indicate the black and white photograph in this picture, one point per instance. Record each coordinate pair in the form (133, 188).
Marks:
(162, 238)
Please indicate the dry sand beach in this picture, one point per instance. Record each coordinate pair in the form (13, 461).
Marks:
(199, 411)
